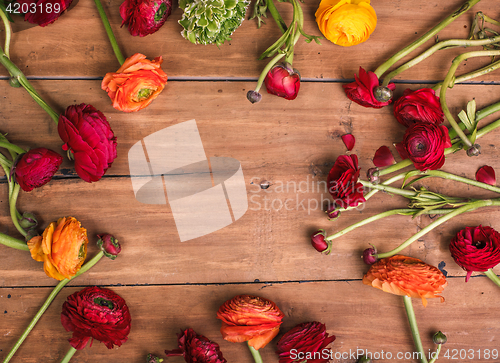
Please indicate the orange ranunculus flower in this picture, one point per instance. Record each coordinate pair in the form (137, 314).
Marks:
(136, 83)
(401, 275)
(63, 248)
(250, 318)
(346, 22)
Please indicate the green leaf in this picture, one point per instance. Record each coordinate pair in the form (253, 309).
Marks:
(230, 3)
(465, 120)
(471, 111)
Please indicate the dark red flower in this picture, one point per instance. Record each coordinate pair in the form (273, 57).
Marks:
(476, 249)
(283, 81)
(87, 133)
(36, 168)
(109, 245)
(96, 313)
(362, 89)
(383, 157)
(424, 145)
(319, 243)
(418, 106)
(343, 183)
(196, 348)
(305, 343)
(144, 17)
(43, 12)
(486, 174)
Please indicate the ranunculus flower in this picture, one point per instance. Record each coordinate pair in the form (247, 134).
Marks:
(196, 348)
(346, 22)
(310, 339)
(383, 157)
(424, 145)
(283, 81)
(43, 12)
(144, 17)
(476, 249)
(62, 248)
(362, 90)
(343, 183)
(486, 174)
(136, 83)
(418, 106)
(401, 275)
(319, 243)
(109, 245)
(96, 313)
(251, 319)
(87, 134)
(36, 168)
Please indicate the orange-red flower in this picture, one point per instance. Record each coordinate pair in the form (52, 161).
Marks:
(250, 318)
(63, 248)
(136, 83)
(401, 275)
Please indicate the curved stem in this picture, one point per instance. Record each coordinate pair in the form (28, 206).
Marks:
(435, 355)
(266, 70)
(451, 43)
(414, 328)
(255, 354)
(383, 215)
(13, 209)
(276, 15)
(109, 31)
(493, 277)
(12, 147)
(13, 242)
(47, 303)
(402, 53)
(437, 222)
(69, 355)
(465, 77)
(449, 176)
(8, 33)
(386, 188)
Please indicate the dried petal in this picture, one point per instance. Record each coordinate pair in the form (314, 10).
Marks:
(349, 141)
(486, 174)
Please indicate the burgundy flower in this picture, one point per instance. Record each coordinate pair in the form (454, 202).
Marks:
(144, 17)
(476, 249)
(36, 168)
(283, 81)
(383, 157)
(349, 141)
(362, 90)
(196, 348)
(96, 313)
(486, 174)
(87, 133)
(418, 106)
(319, 243)
(424, 145)
(343, 183)
(305, 343)
(109, 245)
(43, 12)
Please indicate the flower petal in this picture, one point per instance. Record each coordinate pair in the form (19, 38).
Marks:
(349, 141)
(486, 174)
(383, 157)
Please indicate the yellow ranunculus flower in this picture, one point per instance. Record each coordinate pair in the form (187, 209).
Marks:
(63, 248)
(346, 22)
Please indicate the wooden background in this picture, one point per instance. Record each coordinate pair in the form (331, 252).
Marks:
(291, 145)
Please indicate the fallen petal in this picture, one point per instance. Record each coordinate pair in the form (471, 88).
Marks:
(383, 157)
(486, 174)
(349, 141)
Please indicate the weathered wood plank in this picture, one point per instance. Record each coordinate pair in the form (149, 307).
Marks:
(76, 45)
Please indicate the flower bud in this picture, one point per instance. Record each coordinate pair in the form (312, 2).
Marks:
(109, 245)
(382, 94)
(253, 96)
(283, 81)
(30, 234)
(370, 256)
(364, 359)
(475, 150)
(439, 338)
(28, 221)
(319, 243)
(150, 358)
(332, 212)
(373, 175)
(14, 82)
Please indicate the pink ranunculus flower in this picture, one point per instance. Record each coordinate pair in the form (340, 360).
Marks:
(283, 81)
(144, 17)
(418, 106)
(36, 168)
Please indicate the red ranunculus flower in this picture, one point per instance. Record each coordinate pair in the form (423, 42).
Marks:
(319, 243)
(476, 249)
(96, 313)
(283, 81)
(307, 339)
(36, 168)
(343, 183)
(418, 106)
(43, 12)
(144, 17)
(196, 348)
(362, 89)
(87, 133)
(424, 145)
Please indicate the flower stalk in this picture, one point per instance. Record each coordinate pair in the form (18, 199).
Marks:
(492, 276)
(414, 328)
(69, 355)
(255, 354)
(109, 32)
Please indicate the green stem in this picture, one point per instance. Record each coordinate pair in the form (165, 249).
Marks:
(12, 147)
(484, 112)
(47, 303)
(465, 77)
(276, 15)
(398, 191)
(255, 354)
(408, 49)
(13, 242)
(383, 215)
(414, 328)
(109, 31)
(266, 70)
(69, 355)
(451, 43)
(435, 355)
(493, 277)
(466, 208)
(442, 95)
(449, 176)
(8, 32)
(13, 209)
